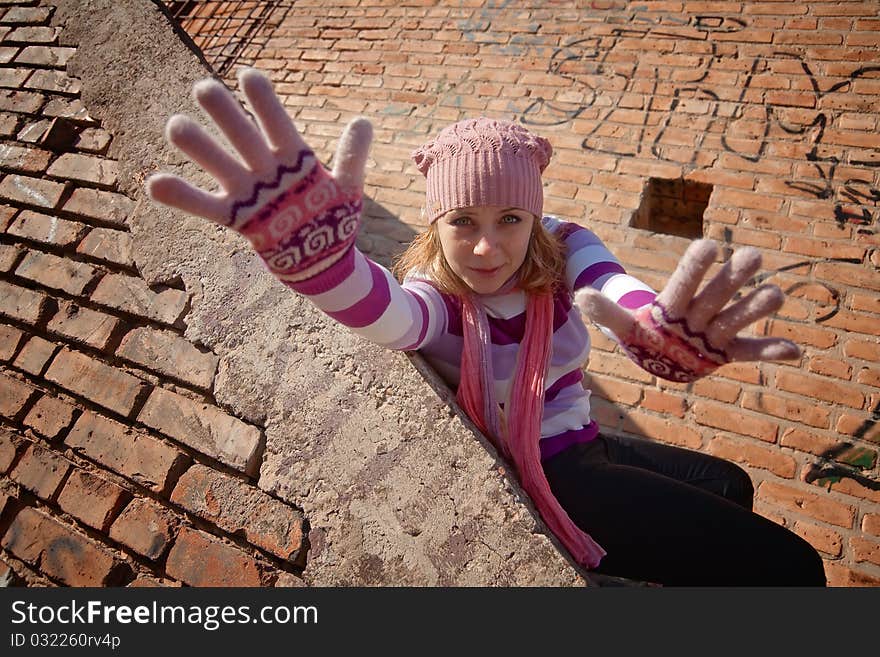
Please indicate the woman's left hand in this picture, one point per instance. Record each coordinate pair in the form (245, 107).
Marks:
(683, 335)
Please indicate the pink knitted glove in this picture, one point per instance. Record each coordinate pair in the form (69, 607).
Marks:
(683, 335)
(299, 217)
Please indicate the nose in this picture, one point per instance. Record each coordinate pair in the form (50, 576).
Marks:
(486, 244)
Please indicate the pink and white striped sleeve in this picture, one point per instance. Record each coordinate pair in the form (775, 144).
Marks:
(365, 297)
(590, 263)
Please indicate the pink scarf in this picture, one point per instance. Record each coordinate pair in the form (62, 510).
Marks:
(518, 438)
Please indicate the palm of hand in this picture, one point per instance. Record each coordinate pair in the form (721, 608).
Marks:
(273, 155)
(695, 330)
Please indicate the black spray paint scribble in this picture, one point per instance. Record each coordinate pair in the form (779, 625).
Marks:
(600, 72)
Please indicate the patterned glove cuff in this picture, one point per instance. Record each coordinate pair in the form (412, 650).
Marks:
(668, 348)
(305, 228)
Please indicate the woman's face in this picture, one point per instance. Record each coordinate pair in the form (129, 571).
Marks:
(485, 245)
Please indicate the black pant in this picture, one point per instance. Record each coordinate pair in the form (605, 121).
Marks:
(676, 517)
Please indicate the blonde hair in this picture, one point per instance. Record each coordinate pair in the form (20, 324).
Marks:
(542, 271)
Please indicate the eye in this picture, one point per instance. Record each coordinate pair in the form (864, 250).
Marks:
(461, 220)
(511, 219)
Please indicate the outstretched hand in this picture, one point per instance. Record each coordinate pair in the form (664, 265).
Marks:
(276, 189)
(684, 334)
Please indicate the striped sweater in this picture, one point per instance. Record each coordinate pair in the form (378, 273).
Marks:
(365, 297)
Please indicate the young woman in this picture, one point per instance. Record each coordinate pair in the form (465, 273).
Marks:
(493, 296)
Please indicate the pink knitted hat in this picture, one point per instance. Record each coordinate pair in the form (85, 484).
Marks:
(483, 162)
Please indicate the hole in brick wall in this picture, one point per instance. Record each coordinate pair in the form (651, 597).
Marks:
(673, 207)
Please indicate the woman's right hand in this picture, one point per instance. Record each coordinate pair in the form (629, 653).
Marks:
(298, 216)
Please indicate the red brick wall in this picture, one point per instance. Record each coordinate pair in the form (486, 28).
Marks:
(113, 451)
(775, 104)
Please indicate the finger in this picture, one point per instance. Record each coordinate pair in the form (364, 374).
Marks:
(230, 117)
(603, 311)
(683, 284)
(762, 349)
(270, 113)
(760, 302)
(177, 193)
(350, 162)
(714, 296)
(191, 138)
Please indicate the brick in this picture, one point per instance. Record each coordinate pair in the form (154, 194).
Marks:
(729, 198)
(865, 303)
(14, 396)
(855, 275)
(8, 451)
(856, 322)
(288, 580)
(85, 168)
(865, 550)
(93, 140)
(859, 426)
(220, 499)
(713, 388)
(108, 245)
(8, 124)
(13, 77)
(619, 392)
(145, 581)
(54, 81)
(92, 499)
(663, 402)
(60, 552)
(869, 376)
(83, 325)
(33, 34)
(199, 559)
(56, 272)
(169, 354)
(802, 334)
(824, 539)
(8, 54)
(871, 524)
(830, 367)
(756, 456)
(50, 417)
(9, 257)
(26, 15)
(32, 132)
(817, 506)
(829, 448)
(133, 295)
(131, 453)
(52, 56)
(144, 527)
(204, 428)
(41, 472)
(617, 366)
(731, 419)
(661, 429)
(22, 102)
(840, 576)
(46, 229)
(819, 388)
(90, 378)
(72, 109)
(10, 338)
(35, 354)
(97, 204)
(788, 409)
(31, 191)
(849, 486)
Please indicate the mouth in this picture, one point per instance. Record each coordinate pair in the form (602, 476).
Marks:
(486, 272)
